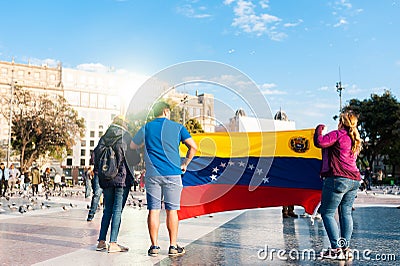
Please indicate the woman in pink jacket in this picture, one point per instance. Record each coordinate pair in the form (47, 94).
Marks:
(340, 149)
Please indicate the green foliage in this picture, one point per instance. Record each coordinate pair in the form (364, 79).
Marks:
(379, 126)
(193, 126)
(43, 124)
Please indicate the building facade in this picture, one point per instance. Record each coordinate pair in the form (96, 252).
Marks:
(198, 106)
(95, 96)
(242, 123)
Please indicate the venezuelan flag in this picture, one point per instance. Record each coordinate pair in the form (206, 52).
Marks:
(233, 171)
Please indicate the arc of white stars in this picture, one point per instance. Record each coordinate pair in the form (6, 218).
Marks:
(241, 164)
(215, 169)
(251, 166)
(265, 179)
(213, 177)
(230, 163)
(223, 165)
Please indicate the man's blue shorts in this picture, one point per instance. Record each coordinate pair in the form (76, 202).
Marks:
(167, 188)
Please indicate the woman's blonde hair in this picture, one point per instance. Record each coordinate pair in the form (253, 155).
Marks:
(349, 121)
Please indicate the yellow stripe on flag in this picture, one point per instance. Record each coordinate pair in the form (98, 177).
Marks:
(293, 143)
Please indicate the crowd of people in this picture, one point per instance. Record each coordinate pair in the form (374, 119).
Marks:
(13, 181)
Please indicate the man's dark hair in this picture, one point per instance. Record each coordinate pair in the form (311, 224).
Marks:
(159, 107)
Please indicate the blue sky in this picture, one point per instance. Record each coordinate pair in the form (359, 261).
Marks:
(292, 50)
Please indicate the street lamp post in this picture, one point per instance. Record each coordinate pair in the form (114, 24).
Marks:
(184, 101)
(339, 89)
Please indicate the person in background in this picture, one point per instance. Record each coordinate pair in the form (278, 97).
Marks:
(46, 179)
(4, 175)
(36, 180)
(57, 182)
(288, 211)
(379, 177)
(88, 176)
(96, 189)
(368, 178)
(27, 180)
(14, 176)
(340, 149)
(161, 139)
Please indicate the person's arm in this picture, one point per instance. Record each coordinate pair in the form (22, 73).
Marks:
(138, 140)
(17, 173)
(134, 146)
(324, 141)
(192, 148)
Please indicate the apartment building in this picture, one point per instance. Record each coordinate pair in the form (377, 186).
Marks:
(95, 96)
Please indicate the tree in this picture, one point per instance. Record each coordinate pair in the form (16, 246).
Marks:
(379, 127)
(193, 126)
(42, 124)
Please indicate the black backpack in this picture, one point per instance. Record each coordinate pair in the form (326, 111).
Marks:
(106, 158)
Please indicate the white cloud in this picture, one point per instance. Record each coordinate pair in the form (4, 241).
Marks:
(228, 2)
(249, 21)
(324, 88)
(43, 62)
(287, 25)
(190, 11)
(264, 4)
(268, 86)
(343, 11)
(267, 89)
(93, 67)
(341, 22)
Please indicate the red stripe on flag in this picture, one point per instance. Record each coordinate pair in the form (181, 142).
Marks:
(206, 199)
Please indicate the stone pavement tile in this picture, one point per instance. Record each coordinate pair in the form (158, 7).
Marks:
(56, 237)
(134, 235)
(239, 241)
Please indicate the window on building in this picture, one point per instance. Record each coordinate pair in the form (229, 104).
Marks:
(93, 100)
(100, 134)
(83, 143)
(73, 97)
(69, 161)
(92, 143)
(83, 161)
(84, 99)
(83, 152)
(101, 101)
(92, 134)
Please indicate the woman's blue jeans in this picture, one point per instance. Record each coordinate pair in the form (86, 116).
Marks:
(338, 193)
(114, 202)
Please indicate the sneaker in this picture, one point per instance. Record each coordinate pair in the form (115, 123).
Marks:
(153, 251)
(334, 254)
(102, 245)
(89, 218)
(117, 248)
(348, 253)
(176, 251)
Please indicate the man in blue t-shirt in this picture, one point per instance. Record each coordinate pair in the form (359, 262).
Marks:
(161, 139)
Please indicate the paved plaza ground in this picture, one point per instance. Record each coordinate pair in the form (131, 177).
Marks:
(58, 234)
